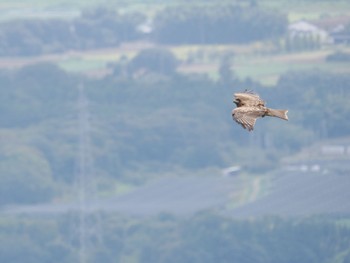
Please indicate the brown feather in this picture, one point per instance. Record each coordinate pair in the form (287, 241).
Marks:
(246, 116)
(248, 99)
(250, 107)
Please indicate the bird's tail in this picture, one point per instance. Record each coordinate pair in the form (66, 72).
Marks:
(277, 113)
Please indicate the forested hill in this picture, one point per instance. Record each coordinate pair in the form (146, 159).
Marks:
(117, 142)
(160, 122)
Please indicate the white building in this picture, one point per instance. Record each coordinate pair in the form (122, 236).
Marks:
(306, 29)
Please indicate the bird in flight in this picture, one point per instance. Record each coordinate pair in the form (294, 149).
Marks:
(250, 107)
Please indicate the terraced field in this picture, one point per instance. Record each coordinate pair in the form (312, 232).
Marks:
(301, 194)
(284, 194)
(182, 196)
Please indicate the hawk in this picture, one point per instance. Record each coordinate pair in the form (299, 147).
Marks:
(250, 107)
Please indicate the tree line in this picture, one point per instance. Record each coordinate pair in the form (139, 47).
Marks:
(95, 28)
(101, 27)
(218, 25)
(202, 238)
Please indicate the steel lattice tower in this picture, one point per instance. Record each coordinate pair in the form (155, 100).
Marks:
(89, 218)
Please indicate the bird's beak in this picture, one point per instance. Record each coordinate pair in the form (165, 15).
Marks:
(235, 101)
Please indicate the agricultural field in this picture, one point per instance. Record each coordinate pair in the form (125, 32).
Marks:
(248, 61)
(263, 68)
(260, 61)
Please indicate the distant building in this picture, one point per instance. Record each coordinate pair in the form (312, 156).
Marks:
(303, 28)
(335, 150)
(145, 28)
(332, 156)
(314, 168)
(231, 171)
(336, 28)
(340, 37)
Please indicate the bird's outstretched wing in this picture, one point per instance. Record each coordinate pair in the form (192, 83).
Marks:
(246, 116)
(248, 98)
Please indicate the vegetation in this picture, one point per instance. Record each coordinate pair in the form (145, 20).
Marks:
(155, 118)
(155, 60)
(228, 24)
(98, 28)
(150, 116)
(95, 28)
(338, 57)
(200, 238)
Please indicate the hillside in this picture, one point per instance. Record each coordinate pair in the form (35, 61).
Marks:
(284, 194)
(116, 131)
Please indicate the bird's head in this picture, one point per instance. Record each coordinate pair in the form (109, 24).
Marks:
(237, 101)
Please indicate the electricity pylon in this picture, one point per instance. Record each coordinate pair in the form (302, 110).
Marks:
(89, 219)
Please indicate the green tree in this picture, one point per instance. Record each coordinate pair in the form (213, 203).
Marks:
(226, 74)
(35, 93)
(314, 94)
(155, 60)
(25, 177)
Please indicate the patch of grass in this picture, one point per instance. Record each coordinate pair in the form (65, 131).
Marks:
(93, 60)
(81, 65)
(267, 72)
(115, 188)
(308, 10)
(299, 15)
(265, 68)
(345, 222)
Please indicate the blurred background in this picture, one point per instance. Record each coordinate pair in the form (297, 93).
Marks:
(117, 142)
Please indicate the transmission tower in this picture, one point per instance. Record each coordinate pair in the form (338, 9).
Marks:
(89, 219)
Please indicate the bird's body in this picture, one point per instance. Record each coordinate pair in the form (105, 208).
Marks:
(248, 98)
(250, 107)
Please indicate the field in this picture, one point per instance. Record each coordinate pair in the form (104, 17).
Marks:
(263, 62)
(249, 61)
(296, 9)
(283, 194)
